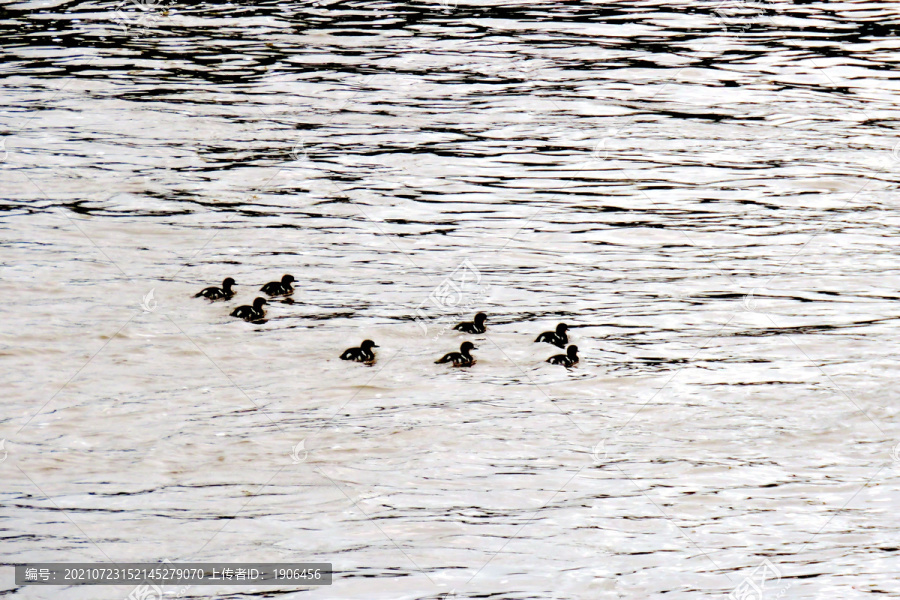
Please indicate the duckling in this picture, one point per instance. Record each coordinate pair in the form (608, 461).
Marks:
(558, 338)
(474, 326)
(251, 313)
(279, 288)
(223, 293)
(461, 358)
(362, 354)
(569, 359)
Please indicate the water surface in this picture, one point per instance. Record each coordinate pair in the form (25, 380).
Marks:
(707, 198)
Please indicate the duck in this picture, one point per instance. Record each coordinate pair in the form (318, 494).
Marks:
(558, 338)
(362, 354)
(461, 358)
(251, 313)
(279, 288)
(569, 359)
(223, 293)
(474, 326)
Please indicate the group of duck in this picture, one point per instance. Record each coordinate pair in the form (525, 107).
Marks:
(463, 358)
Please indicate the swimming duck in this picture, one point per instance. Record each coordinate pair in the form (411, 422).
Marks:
(569, 359)
(474, 326)
(461, 358)
(279, 288)
(558, 338)
(362, 354)
(251, 313)
(223, 293)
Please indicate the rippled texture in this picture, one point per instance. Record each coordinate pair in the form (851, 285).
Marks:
(705, 192)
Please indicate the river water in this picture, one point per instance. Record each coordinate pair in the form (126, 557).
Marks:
(705, 192)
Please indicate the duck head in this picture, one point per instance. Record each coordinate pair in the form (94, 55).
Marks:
(480, 318)
(368, 344)
(258, 303)
(466, 346)
(562, 328)
(572, 351)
